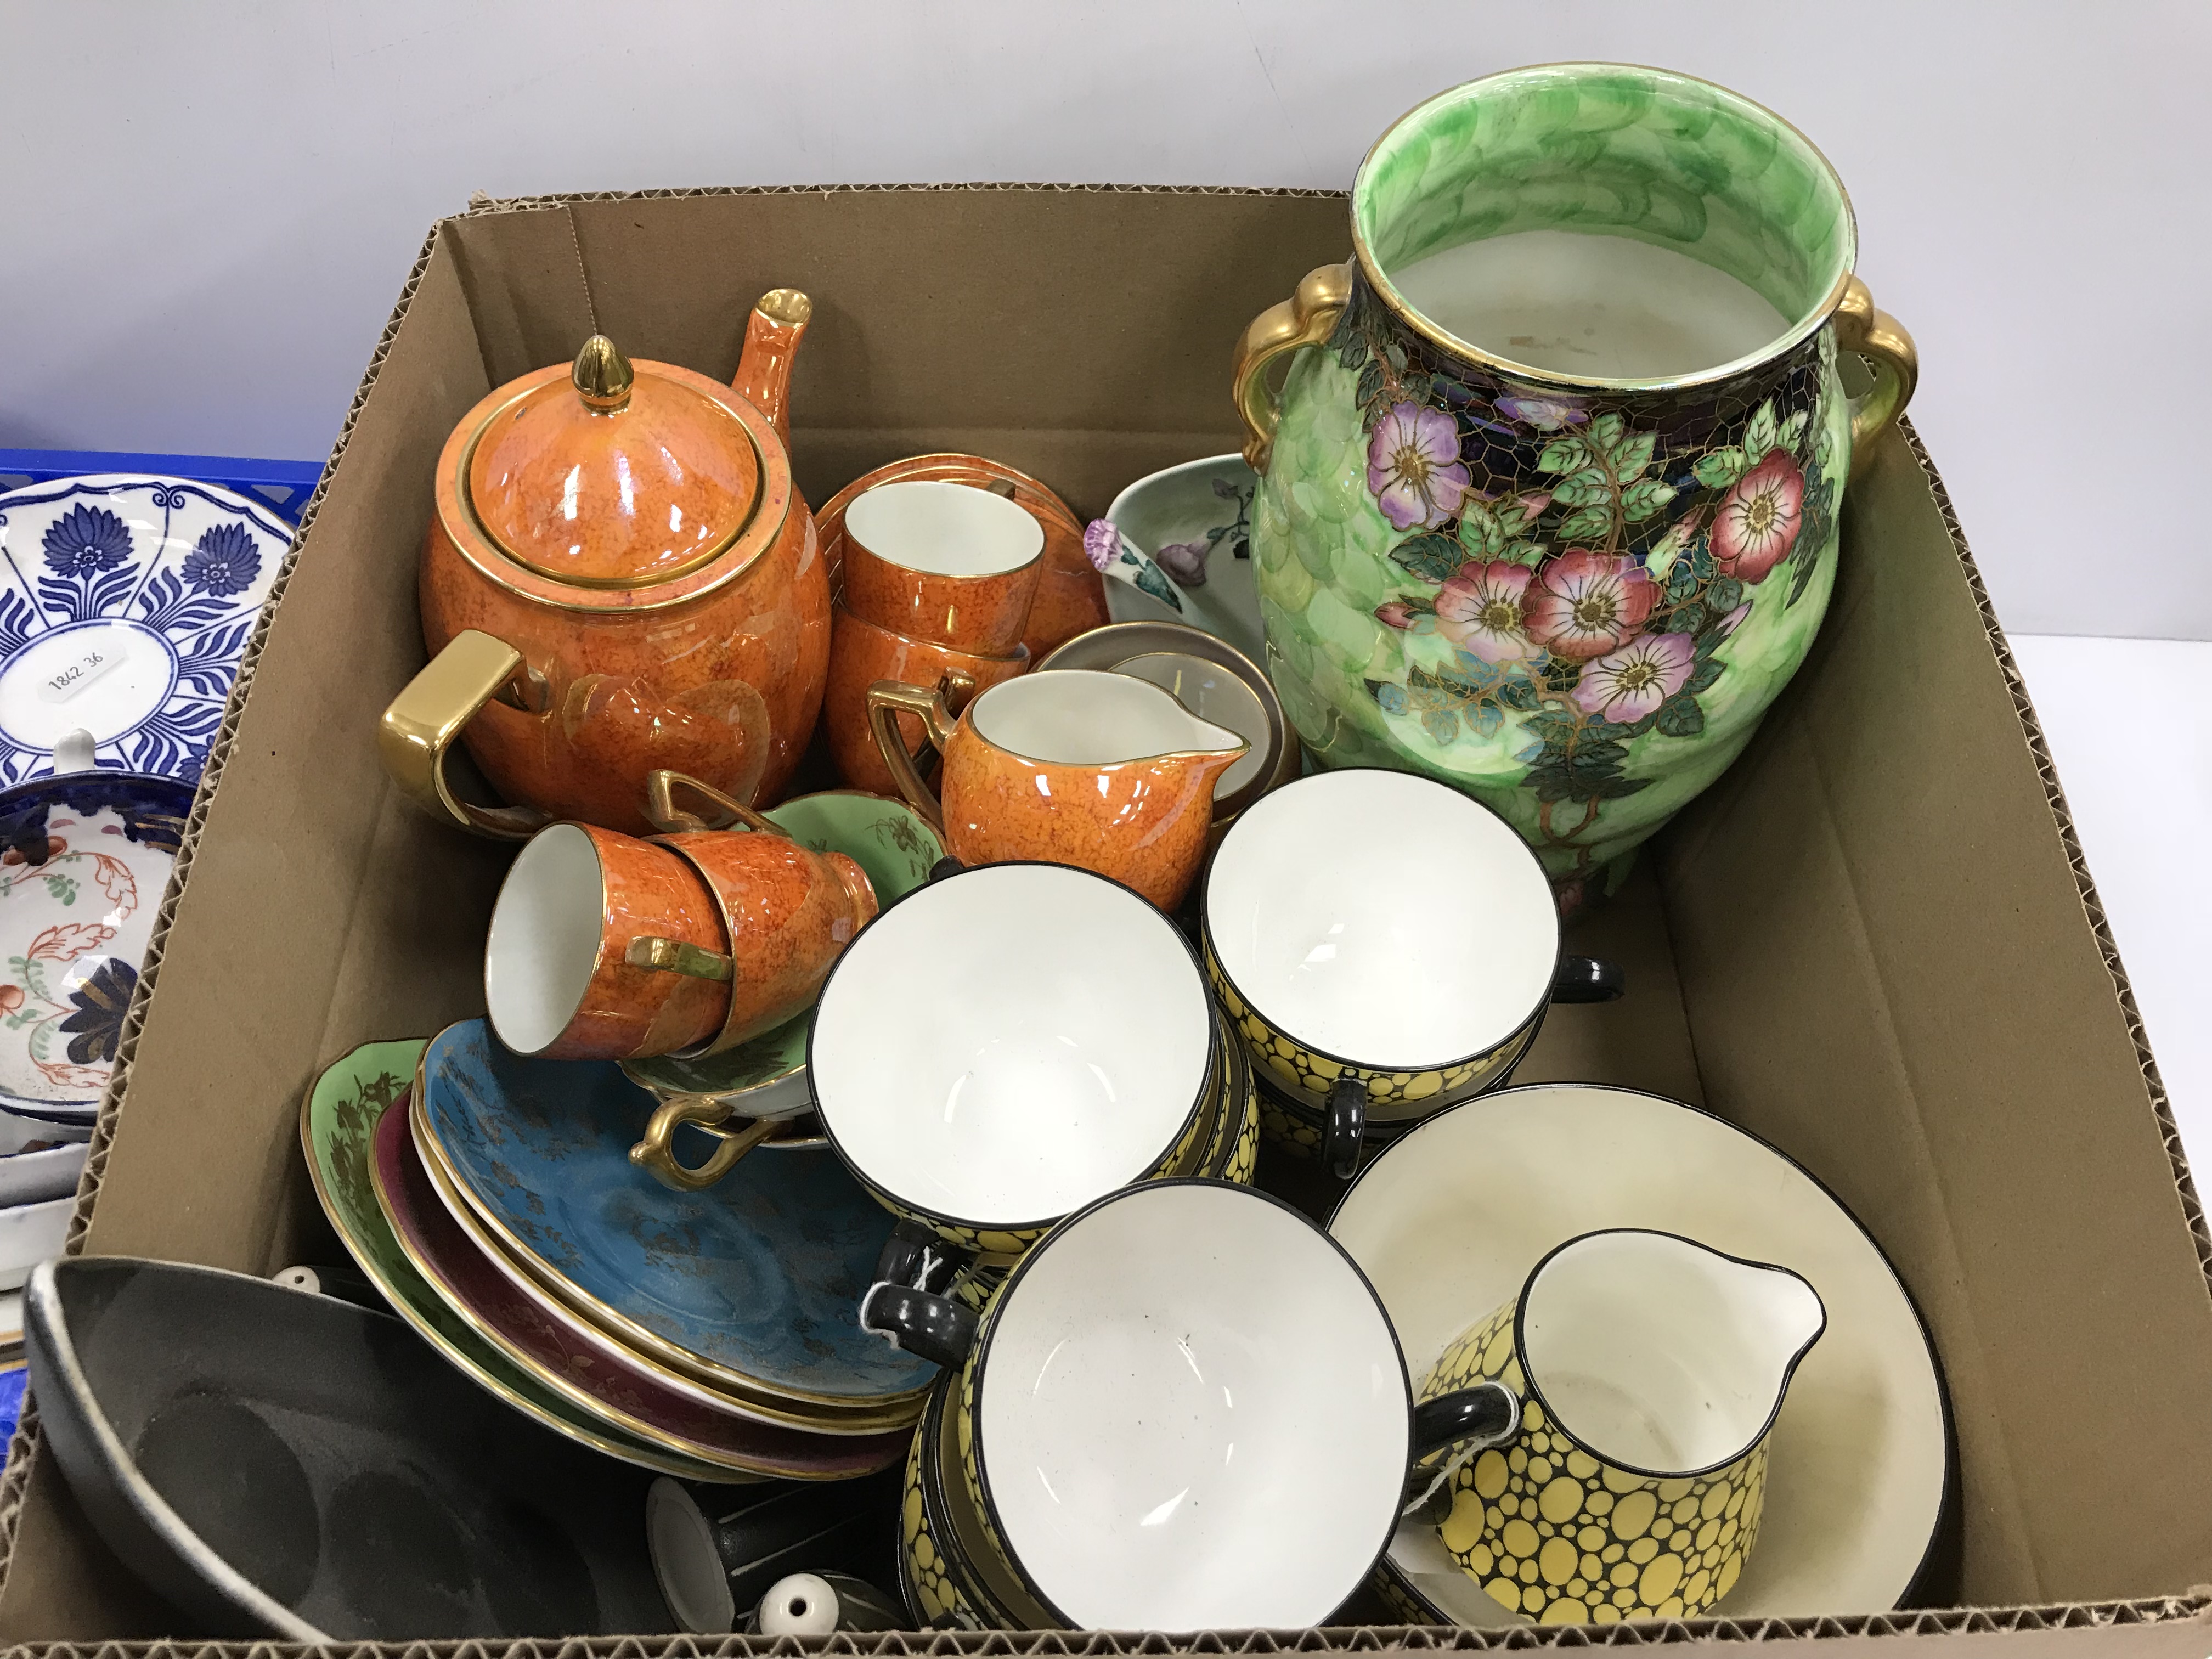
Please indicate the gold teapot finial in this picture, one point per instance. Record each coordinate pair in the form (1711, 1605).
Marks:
(602, 375)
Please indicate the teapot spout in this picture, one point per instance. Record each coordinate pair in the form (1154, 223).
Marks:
(772, 337)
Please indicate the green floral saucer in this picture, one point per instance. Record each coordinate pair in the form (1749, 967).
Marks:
(336, 1121)
(766, 1078)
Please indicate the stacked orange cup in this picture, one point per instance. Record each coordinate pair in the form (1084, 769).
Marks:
(938, 579)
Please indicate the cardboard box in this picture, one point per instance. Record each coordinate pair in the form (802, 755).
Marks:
(1873, 942)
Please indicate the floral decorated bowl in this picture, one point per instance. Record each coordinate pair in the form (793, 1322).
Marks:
(83, 860)
(130, 602)
(1176, 546)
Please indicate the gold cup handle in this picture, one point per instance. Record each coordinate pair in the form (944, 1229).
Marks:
(934, 707)
(1307, 318)
(656, 1153)
(1881, 339)
(665, 816)
(675, 955)
(425, 719)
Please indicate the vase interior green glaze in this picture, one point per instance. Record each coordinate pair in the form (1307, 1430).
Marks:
(1550, 514)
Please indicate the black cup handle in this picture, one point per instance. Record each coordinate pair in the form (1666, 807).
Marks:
(914, 1257)
(1588, 978)
(1347, 1126)
(1487, 1414)
(947, 866)
(930, 1327)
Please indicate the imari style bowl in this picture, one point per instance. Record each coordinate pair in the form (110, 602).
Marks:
(132, 600)
(1370, 991)
(1448, 1221)
(1005, 1044)
(87, 856)
(1548, 503)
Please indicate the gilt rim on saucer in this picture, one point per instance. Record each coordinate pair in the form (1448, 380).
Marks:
(794, 1407)
(585, 1431)
(791, 1463)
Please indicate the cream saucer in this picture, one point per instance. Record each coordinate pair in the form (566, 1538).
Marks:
(1447, 1220)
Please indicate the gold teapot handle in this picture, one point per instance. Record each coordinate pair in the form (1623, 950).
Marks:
(425, 719)
(887, 701)
(1307, 318)
(655, 1153)
(1881, 339)
(662, 812)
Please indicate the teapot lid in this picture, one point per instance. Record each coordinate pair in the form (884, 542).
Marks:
(618, 477)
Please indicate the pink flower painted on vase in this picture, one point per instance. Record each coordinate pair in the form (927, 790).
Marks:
(1583, 604)
(1545, 414)
(1629, 683)
(1413, 466)
(1479, 609)
(1758, 521)
(1395, 614)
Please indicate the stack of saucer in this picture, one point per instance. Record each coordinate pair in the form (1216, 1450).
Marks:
(709, 1335)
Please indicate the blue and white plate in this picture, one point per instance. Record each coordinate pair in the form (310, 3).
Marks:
(125, 603)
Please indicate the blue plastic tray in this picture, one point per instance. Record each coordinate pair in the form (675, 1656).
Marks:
(285, 485)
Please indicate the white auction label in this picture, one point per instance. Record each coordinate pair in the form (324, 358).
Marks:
(104, 676)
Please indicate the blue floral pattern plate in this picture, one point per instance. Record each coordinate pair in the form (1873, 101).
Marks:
(760, 1276)
(84, 859)
(126, 603)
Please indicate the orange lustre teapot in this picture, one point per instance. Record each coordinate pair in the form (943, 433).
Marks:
(620, 578)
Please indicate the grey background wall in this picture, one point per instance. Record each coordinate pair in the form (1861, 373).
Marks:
(208, 209)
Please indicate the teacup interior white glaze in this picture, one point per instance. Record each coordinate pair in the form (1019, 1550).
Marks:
(1382, 919)
(1661, 1355)
(1193, 1415)
(1004, 1046)
(943, 529)
(1091, 717)
(544, 938)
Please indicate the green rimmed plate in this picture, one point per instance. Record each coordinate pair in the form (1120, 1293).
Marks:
(766, 1077)
(335, 1123)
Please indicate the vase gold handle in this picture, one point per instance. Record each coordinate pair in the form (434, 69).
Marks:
(423, 721)
(655, 1153)
(1307, 318)
(1881, 339)
(662, 811)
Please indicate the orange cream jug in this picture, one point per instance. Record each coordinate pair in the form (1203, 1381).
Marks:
(1101, 771)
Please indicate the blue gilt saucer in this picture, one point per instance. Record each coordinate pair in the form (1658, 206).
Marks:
(84, 859)
(127, 602)
(752, 1284)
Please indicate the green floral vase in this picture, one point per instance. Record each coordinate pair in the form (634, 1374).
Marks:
(1572, 597)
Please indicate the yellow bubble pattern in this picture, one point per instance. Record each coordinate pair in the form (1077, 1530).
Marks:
(1560, 1537)
(1296, 1067)
(926, 1575)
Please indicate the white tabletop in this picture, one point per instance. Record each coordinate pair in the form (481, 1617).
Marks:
(2138, 777)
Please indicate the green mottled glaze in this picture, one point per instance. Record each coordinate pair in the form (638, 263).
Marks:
(1617, 150)
(1428, 613)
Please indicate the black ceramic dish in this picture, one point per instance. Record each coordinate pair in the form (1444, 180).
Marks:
(277, 1463)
